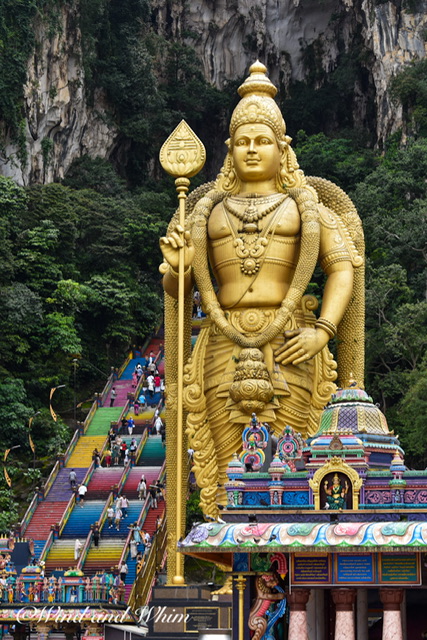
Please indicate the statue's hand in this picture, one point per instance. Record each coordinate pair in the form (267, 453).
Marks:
(301, 345)
(172, 243)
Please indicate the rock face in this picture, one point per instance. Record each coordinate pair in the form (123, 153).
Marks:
(227, 35)
(60, 125)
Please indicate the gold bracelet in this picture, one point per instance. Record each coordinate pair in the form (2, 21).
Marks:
(175, 274)
(328, 326)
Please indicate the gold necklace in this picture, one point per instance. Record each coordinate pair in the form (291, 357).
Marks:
(250, 247)
(251, 215)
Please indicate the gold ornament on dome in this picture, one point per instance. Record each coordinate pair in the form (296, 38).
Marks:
(183, 154)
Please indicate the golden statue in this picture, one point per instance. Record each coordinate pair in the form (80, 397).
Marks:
(251, 242)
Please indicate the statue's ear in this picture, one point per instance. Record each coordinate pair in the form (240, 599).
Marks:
(228, 143)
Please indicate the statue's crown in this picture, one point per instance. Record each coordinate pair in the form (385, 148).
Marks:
(257, 103)
(257, 83)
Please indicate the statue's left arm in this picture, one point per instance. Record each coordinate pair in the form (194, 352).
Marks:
(302, 344)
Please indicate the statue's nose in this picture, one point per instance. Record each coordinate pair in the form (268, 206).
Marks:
(252, 146)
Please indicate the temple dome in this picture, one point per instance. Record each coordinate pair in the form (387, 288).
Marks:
(352, 410)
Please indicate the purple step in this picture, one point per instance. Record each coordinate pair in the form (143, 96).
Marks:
(61, 489)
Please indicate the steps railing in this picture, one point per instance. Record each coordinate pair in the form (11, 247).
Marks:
(141, 445)
(28, 514)
(47, 545)
(64, 519)
(88, 541)
(142, 516)
(71, 446)
(141, 588)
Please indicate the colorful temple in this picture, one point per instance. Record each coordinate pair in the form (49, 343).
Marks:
(334, 526)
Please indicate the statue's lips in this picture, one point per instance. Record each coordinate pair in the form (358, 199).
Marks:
(252, 162)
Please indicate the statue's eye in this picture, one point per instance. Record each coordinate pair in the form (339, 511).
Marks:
(241, 142)
(265, 141)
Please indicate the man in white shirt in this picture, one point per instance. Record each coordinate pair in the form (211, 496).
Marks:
(82, 492)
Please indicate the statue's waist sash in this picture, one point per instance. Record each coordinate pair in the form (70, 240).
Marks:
(222, 354)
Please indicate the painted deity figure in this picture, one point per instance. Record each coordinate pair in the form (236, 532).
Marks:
(336, 494)
(260, 229)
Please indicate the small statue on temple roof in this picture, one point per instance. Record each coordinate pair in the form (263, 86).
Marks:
(336, 494)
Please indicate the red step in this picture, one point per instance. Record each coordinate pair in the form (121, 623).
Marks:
(45, 515)
(151, 475)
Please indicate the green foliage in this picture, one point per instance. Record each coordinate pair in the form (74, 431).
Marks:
(17, 41)
(409, 87)
(341, 160)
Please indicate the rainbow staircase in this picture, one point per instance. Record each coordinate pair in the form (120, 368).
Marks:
(57, 506)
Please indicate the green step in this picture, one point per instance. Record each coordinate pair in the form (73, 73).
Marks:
(100, 424)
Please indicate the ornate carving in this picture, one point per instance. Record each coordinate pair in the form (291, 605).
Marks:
(265, 596)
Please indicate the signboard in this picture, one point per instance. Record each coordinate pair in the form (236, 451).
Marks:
(354, 568)
(349, 569)
(197, 618)
(399, 568)
(311, 569)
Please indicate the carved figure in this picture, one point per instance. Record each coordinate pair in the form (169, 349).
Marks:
(265, 597)
(261, 228)
(336, 493)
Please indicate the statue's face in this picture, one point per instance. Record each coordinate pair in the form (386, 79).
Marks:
(256, 154)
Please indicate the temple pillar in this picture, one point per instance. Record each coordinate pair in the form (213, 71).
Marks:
(316, 615)
(297, 601)
(392, 619)
(362, 614)
(344, 616)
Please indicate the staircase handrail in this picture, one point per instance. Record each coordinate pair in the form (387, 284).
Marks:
(68, 509)
(107, 388)
(51, 479)
(123, 413)
(101, 522)
(143, 583)
(90, 415)
(141, 445)
(123, 478)
(29, 512)
(47, 546)
(71, 446)
(128, 358)
(142, 516)
(125, 549)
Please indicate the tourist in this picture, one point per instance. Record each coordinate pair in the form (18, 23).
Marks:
(82, 493)
(96, 534)
(113, 396)
(72, 476)
(77, 549)
(110, 517)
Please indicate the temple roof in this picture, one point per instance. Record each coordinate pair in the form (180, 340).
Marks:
(353, 410)
(307, 536)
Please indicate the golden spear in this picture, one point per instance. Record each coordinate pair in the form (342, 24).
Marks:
(182, 156)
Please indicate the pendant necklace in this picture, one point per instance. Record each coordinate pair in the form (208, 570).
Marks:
(249, 242)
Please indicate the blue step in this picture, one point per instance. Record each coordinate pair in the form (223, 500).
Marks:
(78, 524)
(134, 510)
(38, 547)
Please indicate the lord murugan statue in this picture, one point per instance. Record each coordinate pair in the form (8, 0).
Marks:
(251, 242)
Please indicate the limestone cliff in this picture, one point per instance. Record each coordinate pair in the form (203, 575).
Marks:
(60, 125)
(227, 35)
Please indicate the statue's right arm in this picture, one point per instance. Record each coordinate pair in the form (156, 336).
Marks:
(170, 246)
